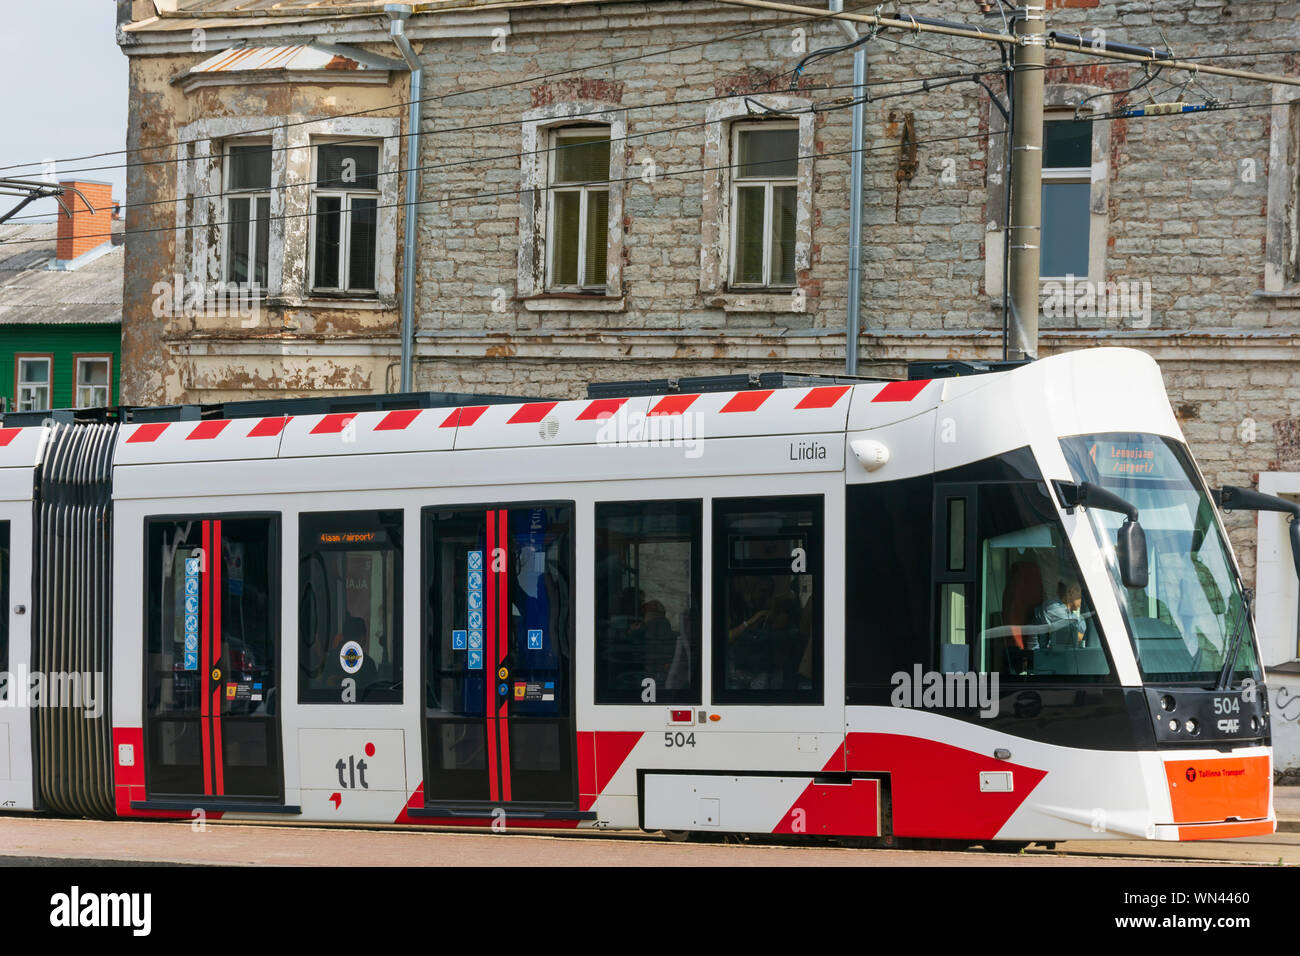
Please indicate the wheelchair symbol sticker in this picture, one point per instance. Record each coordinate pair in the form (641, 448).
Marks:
(457, 640)
(476, 560)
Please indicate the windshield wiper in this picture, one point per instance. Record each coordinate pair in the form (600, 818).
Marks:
(1234, 645)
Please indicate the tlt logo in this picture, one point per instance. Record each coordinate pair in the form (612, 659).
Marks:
(355, 768)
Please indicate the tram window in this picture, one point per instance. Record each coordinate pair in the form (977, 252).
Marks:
(888, 533)
(767, 594)
(1036, 619)
(648, 602)
(350, 607)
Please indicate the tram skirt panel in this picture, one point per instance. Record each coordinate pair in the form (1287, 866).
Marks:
(71, 553)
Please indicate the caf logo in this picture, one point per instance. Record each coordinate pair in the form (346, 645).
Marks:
(1191, 774)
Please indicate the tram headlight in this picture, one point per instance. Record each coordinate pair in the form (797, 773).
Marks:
(1167, 702)
(1173, 725)
(1191, 726)
(1254, 723)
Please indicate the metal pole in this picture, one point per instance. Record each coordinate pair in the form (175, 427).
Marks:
(396, 30)
(1027, 178)
(853, 323)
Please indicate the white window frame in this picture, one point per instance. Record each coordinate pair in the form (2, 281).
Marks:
(22, 389)
(1065, 174)
(107, 387)
(769, 184)
(585, 191)
(716, 208)
(230, 193)
(346, 196)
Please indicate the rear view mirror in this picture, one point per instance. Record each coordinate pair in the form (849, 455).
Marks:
(1131, 551)
(1230, 498)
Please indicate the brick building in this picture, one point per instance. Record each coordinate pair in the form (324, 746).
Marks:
(594, 205)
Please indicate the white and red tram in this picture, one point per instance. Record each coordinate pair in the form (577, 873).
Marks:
(894, 610)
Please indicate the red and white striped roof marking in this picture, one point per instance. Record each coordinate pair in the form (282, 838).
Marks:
(746, 401)
(333, 424)
(269, 427)
(823, 396)
(601, 409)
(7, 435)
(464, 417)
(208, 429)
(532, 413)
(901, 391)
(397, 420)
(151, 431)
(672, 405)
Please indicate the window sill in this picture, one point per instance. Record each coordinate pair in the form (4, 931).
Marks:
(1290, 292)
(759, 301)
(574, 302)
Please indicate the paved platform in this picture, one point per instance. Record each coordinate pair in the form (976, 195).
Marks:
(43, 841)
(1286, 804)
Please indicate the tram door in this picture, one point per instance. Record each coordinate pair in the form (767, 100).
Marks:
(498, 639)
(15, 658)
(212, 659)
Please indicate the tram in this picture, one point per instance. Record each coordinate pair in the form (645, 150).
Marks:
(978, 607)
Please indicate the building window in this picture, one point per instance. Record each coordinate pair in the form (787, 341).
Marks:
(345, 204)
(35, 382)
(248, 213)
(1067, 186)
(350, 607)
(764, 204)
(578, 214)
(767, 595)
(648, 579)
(93, 378)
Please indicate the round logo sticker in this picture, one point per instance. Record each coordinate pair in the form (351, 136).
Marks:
(351, 656)
(503, 673)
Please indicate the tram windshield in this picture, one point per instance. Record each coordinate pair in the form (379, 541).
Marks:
(1183, 622)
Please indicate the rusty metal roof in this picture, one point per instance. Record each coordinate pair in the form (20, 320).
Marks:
(297, 57)
(31, 294)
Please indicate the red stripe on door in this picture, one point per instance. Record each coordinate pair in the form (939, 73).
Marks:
(901, 391)
(205, 661)
(824, 396)
(490, 655)
(269, 427)
(747, 401)
(218, 755)
(149, 432)
(503, 650)
(672, 405)
(531, 413)
(396, 421)
(333, 424)
(209, 429)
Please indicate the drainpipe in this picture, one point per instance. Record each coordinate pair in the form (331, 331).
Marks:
(397, 30)
(854, 321)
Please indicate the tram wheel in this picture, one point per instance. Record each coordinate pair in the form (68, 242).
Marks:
(676, 836)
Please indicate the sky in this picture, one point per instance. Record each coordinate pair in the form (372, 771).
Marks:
(65, 83)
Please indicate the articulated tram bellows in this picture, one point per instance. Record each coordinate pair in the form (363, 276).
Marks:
(72, 587)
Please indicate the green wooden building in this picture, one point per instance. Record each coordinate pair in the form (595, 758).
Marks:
(60, 321)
